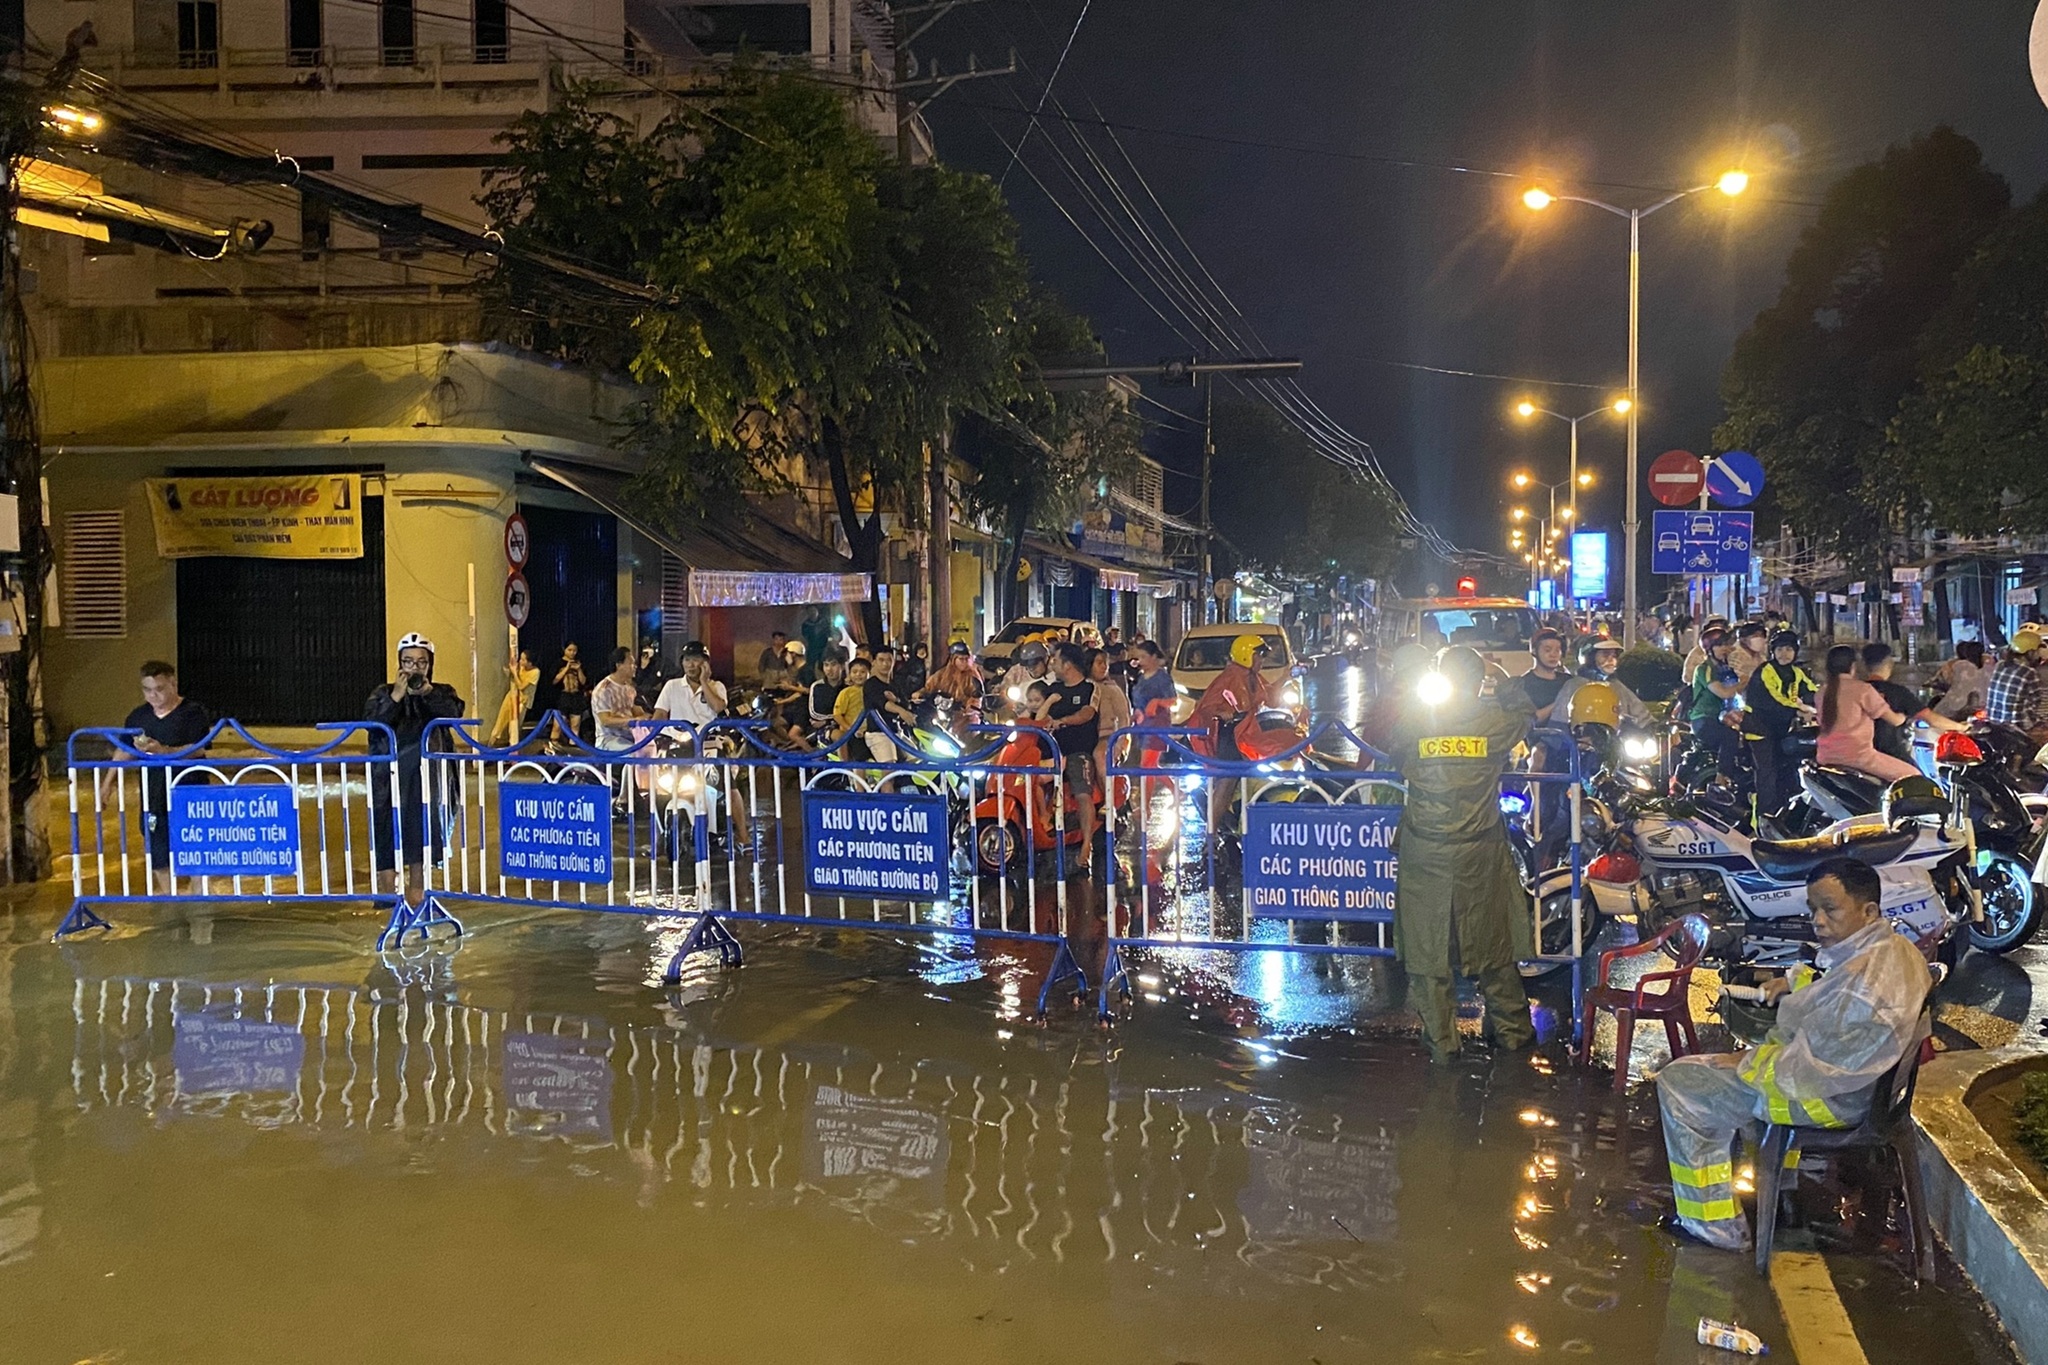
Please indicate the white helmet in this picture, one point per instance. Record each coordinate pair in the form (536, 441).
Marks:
(415, 640)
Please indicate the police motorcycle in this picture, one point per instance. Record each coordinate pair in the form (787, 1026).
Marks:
(2012, 843)
(1753, 891)
(1604, 781)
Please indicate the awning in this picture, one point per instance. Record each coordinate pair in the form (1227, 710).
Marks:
(1112, 577)
(753, 561)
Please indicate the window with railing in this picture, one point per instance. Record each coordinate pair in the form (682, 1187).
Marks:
(302, 36)
(198, 34)
(395, 32)
(493, 31)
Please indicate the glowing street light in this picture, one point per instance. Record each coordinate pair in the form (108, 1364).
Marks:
(1619, 407)
(1520, 513)
(1731, 183)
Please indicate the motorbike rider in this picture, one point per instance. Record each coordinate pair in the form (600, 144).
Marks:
(2013, 693)
(1696, 655)
(1600, 662)
(408, 706)
(1238, 691)
(824, 693)
(1837, 1034)
(1897, 740)
(1026, 667)
(1714, 684)
(1749, 652)
(1780, 698)
(960, 680)
(1459, 905)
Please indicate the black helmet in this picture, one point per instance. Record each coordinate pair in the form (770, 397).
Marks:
(1591, 647)
(1915, 798)
(1463, 668)
(1782, 638)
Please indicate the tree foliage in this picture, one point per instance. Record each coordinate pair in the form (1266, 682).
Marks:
(820, 307)
(1814, 384)
(1976, 434)
(1278, 504)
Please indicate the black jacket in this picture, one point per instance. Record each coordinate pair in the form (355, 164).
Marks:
(408, 718)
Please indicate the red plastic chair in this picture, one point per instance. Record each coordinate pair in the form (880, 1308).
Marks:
(1664, 995)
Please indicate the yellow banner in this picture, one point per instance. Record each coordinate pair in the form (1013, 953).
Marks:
(270, 516)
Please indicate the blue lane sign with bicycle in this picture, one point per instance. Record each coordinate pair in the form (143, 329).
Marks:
(1701, 542)
(1734, 479)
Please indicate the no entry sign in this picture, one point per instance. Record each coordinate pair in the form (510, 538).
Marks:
(1676, 478)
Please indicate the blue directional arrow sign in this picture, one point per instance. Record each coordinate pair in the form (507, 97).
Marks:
(1734, 479)
(1701, 542)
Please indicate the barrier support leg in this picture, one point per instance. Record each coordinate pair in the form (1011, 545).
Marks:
(407, 918)
(80, 917)
(1064, 966)
(706, 935)
(1115, 977)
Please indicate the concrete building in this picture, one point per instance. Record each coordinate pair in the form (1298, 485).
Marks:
(334, 350)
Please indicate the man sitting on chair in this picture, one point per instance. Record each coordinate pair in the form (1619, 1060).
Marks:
(1838, 1033)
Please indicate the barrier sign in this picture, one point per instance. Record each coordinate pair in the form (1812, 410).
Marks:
(558, 1085)
(880, 845)
(282, 516)
(1320, 862)
(553, 831)
(216, 1053)
(234, 831)
(867, 1136)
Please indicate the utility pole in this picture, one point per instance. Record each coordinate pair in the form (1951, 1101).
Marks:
(936, 592)
(1208, 468)
(1185, 371)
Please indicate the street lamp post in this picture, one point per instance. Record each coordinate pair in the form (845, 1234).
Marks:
(1621, 407)
(1731, 183)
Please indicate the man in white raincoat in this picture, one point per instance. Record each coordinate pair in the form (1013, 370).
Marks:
(1837, 1033)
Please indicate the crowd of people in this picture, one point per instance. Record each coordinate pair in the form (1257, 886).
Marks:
(1755, 702)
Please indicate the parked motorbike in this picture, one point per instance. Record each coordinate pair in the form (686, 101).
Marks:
(1753, 891)
(1017, 819)
(2012, 845)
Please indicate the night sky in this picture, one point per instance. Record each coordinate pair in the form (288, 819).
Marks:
(1346, 261)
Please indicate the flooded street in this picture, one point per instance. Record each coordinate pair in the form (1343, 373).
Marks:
(247, 1138)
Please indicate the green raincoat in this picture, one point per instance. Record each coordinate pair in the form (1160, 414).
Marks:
(1456, 870)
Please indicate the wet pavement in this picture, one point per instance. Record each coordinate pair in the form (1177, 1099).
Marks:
(247, 1137)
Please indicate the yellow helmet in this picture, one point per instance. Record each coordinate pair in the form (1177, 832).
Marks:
(1245, 649)
(1596, 704)
(2026, 640)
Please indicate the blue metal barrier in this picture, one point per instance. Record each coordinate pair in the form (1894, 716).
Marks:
(940, 836)
(710, 823)
(250, 824)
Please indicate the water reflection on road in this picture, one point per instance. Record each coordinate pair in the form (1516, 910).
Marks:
(273, 1147)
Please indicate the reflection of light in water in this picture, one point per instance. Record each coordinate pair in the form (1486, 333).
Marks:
(1536, 1118)
(1530, 1242)
(1533, 1281)
(1523, 1337)
(948, 960)
(1544, 1167)
(1273, 981)
(1529, 1206)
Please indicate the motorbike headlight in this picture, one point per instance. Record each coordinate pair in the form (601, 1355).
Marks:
(944, 748)
(1192, 782)
(1433, 688)
(1016, 694)
(1514, 805)
(1639, 748)
(1290, 695)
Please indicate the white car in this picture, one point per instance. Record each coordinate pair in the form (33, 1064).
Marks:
(996, 654)
(1203, 652)
(1500, 628)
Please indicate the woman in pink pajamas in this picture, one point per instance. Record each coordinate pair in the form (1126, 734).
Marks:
(1849, 708)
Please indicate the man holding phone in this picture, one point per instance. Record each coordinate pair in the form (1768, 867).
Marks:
(408, 705)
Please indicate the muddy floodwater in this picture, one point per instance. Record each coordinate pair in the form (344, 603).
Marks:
(248, 1138)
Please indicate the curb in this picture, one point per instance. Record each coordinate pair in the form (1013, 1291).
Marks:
(1991, 1216)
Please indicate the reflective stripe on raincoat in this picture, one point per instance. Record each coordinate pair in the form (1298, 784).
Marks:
(1840, 1032)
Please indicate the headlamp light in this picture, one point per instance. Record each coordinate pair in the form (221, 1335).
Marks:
(1433, 688)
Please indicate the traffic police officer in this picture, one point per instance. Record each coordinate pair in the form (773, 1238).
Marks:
(1459, 903)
